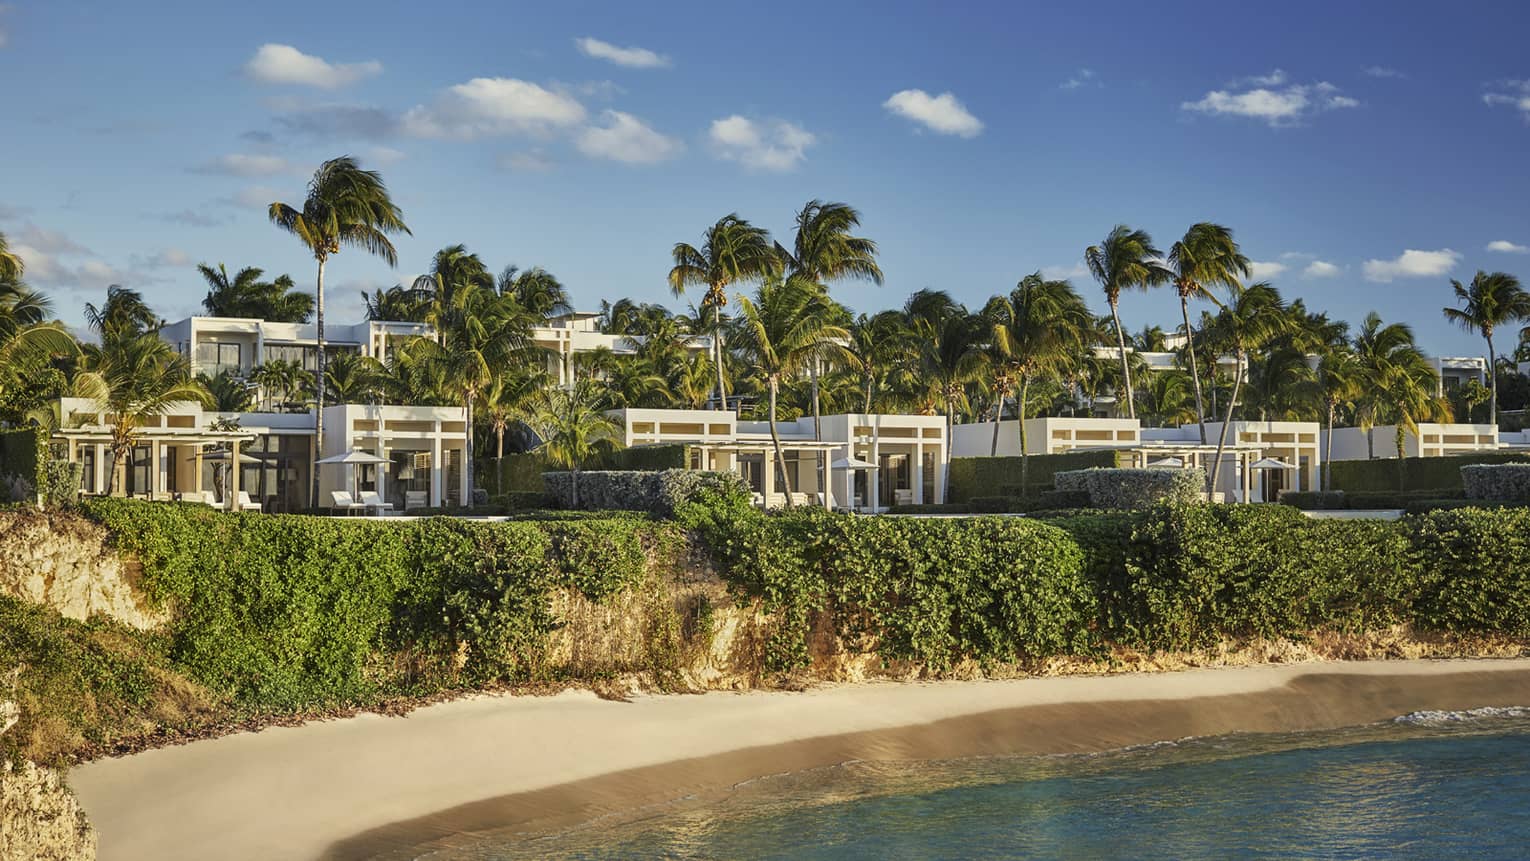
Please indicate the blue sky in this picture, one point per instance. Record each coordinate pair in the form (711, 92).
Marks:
(1365, 153)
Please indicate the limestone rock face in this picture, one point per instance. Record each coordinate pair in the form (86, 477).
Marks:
(40, 819)
(63, 561)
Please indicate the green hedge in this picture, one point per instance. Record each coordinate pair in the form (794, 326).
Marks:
(1412, 473)
(514, 473)
(648, 458)
(994, 476)
(290, 611)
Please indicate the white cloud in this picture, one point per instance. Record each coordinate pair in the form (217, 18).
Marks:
(168, 257)
(485, 107)
(1320, 269)
(192, 218)
(1260, 270)
(384, 155)
(245, 164)
(1084, 78)
(632, 58)
(1412, 264)
(1058, 273)
(1513, 93)
(48, 241)
(284, 64)
(1506, 247)
(255, 197)
(942, 113)
(774, 145)
(625, 138)
(1381, 72)
(527, 161)
(1269, 99)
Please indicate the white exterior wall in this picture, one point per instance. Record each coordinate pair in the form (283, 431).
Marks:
(1433, 440)
(1049, 435)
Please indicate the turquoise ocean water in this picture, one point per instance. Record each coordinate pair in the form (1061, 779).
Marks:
(1426, 786)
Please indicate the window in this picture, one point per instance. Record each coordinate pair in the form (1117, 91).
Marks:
(752, 468)
(308, 357)
(929, 477)
(215, 357)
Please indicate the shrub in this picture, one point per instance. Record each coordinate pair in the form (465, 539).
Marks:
(632, 490)
(1134, 488)
(1314, 500)
(1412, 473)
(1424, 506)
(997, 476)
(1475, 568)
(520, 500)
(1503, 482)
(1374, 500)
(931, 508)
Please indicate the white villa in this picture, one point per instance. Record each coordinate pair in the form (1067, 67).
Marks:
(1432, 440)
(872, 461)
(178, 455)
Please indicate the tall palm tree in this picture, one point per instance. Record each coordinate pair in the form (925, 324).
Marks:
(1206, 257)
(788, 324)
(1488, 302)
(1341, 379)
(345, 207)
(1252, 316)
(511, 397)
(872, 350)
(1125, 260)
(947, 342)
(1380, 348)
(537, 290)
(28, 339)
(137, 375)
(245, 295)
(1041, 329)
(477, 330)
(12, 267)
(1410, 396)
(733, 251)
(574, 426)
(227, 394)
(398, 303)
(353, 378)
(124, 313)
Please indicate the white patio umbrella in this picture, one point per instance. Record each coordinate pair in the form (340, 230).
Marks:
(852, 463)
(1172, 462)
(1270, 463)
(354, 457)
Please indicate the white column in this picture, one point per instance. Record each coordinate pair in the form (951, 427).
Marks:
(156, 475)
(874, 486)
(437, 466)
(233, 478)
(918, 471)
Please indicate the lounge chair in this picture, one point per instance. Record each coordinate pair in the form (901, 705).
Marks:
(374, 502)
(211, 498)
(341, 500)
(247, 504)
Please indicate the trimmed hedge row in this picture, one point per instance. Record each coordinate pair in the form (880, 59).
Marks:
(1412, 473)
(1134, 488)
(290, 611)
(968, 477)
(634, 490)
(1500, 482)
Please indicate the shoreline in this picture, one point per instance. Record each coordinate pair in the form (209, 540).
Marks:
(356, 787)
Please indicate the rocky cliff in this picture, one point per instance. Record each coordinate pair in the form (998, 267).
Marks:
(63, 562)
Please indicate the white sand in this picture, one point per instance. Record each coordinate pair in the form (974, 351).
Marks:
(294, 792)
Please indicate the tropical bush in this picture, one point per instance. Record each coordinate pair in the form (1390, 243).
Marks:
(1500, 482)
(1134, 488)
(997, 476)
(1412, 473)
(1314, 500)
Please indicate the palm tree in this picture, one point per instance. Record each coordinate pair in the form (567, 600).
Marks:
(12, 267)
(1341, 379)
(872, 350)
(124, 313)
(1379, 348)
(510, 397)
(1409, 390)
(734, 251)
(1125, 260)
(477, 331)
(345, 206)
(536, 290)
(137, 375)
(1252, 316)
(947, 342)
(227, 394)
(398, 303)
(27, 338)
(574, 426)
(245, 295)
(1041, 329)
(353, 378)
(1206, 257)
(787, 325)
(1488, 302)
(824, 251)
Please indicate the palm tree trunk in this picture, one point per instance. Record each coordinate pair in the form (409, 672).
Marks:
(998, 416)
(1126, 372)
(467, 456)
(1492, 385)
(1025, 458)
(717, 347)
(1328, 461)
(574, 485)
(499, 457)
(869, 382)
(318, 408)
(1195, 366)
(820, 466)
(1232, 401)
(775, 439)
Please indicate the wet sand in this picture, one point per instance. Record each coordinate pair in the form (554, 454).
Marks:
(358, 787)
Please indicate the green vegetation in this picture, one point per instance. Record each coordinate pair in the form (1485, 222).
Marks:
(970, 477)
(1412, 473)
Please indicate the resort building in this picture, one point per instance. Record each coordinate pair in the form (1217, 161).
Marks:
(236, 345)
(1456, 371)
(187, 453)
(857, 462)
(1432, 440)
(1051, 435)
(568, 335)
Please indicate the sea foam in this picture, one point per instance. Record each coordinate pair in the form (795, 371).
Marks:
(1433, 717)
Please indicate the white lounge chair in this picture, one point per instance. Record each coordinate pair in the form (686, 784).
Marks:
(247, 504)
(341, 500)
(209, 497)
(374, 502)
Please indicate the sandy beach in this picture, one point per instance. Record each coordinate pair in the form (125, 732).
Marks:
(352, 788)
